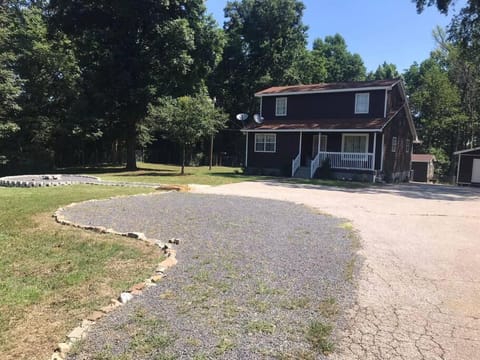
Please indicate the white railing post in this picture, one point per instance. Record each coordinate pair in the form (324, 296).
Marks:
(357, 161)
(314, 165)
(295, 164)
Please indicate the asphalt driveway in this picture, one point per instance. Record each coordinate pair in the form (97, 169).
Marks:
(419, 288)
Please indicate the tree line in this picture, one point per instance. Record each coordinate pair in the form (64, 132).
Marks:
(88, 81)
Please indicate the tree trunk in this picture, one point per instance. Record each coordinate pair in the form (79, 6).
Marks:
(182, 172)
(131, 146)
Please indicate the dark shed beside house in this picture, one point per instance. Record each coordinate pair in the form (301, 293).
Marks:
(423, 167)
(468, 168)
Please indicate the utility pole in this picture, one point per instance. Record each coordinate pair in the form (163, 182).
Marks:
(211, 140)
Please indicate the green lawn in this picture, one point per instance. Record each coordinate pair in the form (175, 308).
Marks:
(169, 174)
(52, 275)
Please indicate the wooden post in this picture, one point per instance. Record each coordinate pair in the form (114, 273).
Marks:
(246, 150)
(300, 147)
(211, 152)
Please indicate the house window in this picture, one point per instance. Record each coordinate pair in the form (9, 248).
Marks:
(281, 106)
(266, 143)
(355, 143)
(362, 102)
(407, 146)
(394, 144)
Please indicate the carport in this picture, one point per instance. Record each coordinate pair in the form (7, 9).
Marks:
(468, 170)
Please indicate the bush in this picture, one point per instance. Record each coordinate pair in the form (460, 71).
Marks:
(325, 170)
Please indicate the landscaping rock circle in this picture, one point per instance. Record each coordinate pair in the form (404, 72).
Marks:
(47, 180)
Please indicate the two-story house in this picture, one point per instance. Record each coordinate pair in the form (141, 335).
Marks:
(364, 129)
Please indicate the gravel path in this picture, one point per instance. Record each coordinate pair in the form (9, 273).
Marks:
(253, 276)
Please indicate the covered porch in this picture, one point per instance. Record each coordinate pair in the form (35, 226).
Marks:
(344, 151)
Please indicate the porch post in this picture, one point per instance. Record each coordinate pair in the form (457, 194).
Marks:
(374, 150)
(382, 153)
(458, 167)
(300, 146)
(319, 139)
(246, 150)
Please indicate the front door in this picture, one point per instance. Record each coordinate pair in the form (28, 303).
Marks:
(307, 140)
(476, 171)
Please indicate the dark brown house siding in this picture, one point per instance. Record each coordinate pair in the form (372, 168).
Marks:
(395, 100)
(466, 167)
(396, 165)
(277, 163)
(326, 105)
(288, 146)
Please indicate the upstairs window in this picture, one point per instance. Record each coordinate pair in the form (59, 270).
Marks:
(362, 103)
(407, 146)
(281, 106)
(266, 143)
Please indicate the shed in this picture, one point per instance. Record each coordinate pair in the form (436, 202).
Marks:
(468, 170)
(423, 167)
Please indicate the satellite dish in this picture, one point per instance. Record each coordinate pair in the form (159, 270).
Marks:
(258, 118)
(242, 117)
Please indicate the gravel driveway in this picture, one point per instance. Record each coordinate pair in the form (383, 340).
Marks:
(253, 276)
(419, 287)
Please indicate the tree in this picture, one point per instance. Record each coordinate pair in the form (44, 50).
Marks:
(340, 64)
(9, 86)
(132, 52)
(46, 67)
(264, 40)
(384, 71)
(186, 120)
(435, 102)
(442, 5)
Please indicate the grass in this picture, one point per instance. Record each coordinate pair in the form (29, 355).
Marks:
(318, 334)
(169, 174)
(260, 326)
(355, 243)
(53, 275)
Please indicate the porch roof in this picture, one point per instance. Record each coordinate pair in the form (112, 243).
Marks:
(357, 124)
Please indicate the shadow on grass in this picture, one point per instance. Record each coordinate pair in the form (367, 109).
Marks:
(160, 173)
(117, 170)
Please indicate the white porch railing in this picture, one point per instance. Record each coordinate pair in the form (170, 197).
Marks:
(314, 165)
(343, 160)
(295, 164)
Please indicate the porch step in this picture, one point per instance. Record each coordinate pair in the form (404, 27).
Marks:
(303, 172)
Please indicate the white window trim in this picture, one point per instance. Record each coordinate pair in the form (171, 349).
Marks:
(357, 135)
(356, 102)
(394, 144)
(265, 151)
(276, 106)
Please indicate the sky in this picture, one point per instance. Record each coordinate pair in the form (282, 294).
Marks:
(378, 30)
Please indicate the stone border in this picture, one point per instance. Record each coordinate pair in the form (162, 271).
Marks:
(14, 181)
(78, 333)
